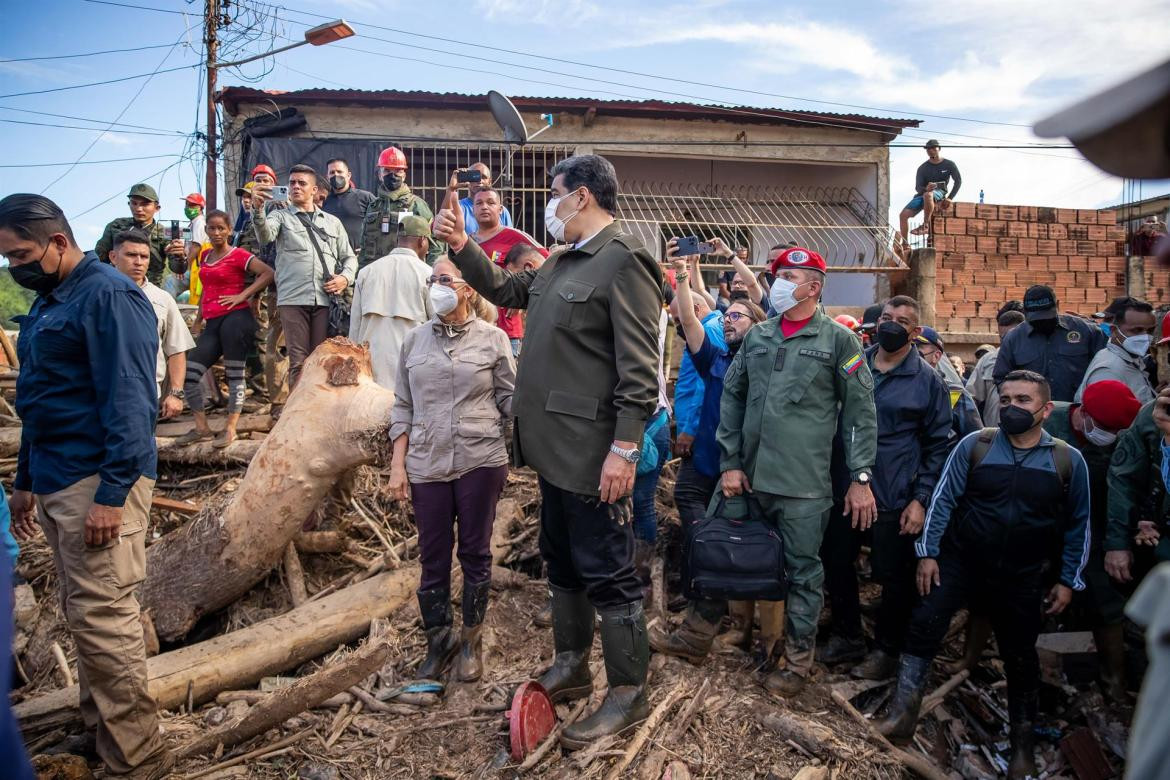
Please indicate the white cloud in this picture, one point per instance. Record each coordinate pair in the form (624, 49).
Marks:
(114, 138)
(564, 14)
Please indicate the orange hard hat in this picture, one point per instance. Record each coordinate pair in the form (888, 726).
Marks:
(848, 321)
(392, 157)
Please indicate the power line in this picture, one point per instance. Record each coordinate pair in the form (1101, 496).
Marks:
(87, 119)
(87, 54)
(139, 7)
(90, 162)
(169, 134)
(102, 83)
(123, 189)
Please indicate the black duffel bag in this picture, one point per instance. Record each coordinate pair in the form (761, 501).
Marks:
(734, 559)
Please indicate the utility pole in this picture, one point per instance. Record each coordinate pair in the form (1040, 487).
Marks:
(212, 43)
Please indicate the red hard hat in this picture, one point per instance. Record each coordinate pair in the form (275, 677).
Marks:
(392, 157)
(848, 321)
(195, 198)
(262, 168)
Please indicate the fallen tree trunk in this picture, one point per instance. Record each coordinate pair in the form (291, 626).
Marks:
(334, 421)
(238, 453)
(306, 692)
(241, 658)
(247, 423)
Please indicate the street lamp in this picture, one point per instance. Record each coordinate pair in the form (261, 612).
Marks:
(329, 32)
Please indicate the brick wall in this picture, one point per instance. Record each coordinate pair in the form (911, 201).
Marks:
(988, 254)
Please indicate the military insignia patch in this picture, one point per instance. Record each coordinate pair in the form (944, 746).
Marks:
(851, 365)
(1073, 337)
(798, 257)
(817, 354)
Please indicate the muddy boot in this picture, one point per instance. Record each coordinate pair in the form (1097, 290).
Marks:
(83, 744)
(469, 664)
(841, 650)
(878, 665)
(643, 557)
(978, 632)
(569, 676)
(765, 650)
(1022, 711)
(692, 640)
(901, 716)
(544, 617)
(435, 608)
(1110, 641)
(627, 656)
(743, 615)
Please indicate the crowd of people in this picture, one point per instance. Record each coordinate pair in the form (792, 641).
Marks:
(1015, 487)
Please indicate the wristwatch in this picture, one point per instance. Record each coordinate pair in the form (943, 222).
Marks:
(863, 478)
(173, 393)
(630, 456)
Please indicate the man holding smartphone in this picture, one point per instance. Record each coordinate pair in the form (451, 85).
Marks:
(930, 184)
(144, 207)
(476, 177)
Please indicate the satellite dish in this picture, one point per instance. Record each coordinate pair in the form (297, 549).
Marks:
(508, 118)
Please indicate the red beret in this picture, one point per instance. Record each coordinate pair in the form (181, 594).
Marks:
(1111, 404)
(799, 257)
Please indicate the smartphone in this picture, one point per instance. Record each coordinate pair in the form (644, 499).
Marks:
(691, 245)
(174, 229)
(280, 193)
(471, 175)
(186, 234)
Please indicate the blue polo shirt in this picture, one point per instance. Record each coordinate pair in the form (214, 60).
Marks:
(86, 394)
(688, 388)
(711, 362)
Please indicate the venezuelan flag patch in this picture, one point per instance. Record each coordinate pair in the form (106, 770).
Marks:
(852, 364)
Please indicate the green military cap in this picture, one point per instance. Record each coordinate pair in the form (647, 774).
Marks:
(143, 190)
(415, 226)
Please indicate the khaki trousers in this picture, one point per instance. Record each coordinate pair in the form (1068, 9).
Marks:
(97, 587)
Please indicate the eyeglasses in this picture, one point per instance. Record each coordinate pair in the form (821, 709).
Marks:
(444, 279)
(736, 316)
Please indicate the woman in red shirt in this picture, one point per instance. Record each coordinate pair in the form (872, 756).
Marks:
(230, 328)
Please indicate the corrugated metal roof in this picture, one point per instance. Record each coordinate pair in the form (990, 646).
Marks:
(233, 97)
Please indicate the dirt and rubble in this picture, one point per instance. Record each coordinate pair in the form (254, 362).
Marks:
(713, 720)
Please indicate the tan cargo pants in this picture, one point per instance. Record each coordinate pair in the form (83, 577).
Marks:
(97, 587)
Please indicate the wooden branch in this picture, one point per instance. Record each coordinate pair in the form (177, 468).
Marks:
(295, 699)
(535, 756)
(645, 730)
(684, 721)
(248, 423)
(940, 693)
(62, 664)
(171, 505)
(294, 576)
(203, 453)
(811, 737)
(322, 542)
(920, 765)
(257, 753)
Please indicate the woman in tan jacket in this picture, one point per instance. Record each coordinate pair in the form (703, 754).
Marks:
(453, 397)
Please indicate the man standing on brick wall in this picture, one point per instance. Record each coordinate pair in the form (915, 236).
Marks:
(1124, 357)
(981, 384)
(1057, 346)
(931, 182)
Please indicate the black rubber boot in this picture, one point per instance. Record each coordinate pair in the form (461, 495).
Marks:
(627, 656)
(1022, 711)
(878, 665)
(841, 650)
(435, 608)
(469, 664)
(569, 676)
(902, 716)
(692, 640)
(1110, 641)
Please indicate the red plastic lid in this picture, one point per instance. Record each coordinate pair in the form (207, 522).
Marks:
(530, 720)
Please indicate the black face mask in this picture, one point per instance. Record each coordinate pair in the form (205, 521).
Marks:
(738, 295)
(891, 336)
(33, 276)
(1045, 326)
(1014, 420)
(337, 182)
(392, 181)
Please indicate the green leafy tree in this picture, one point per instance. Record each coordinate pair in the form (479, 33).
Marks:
(14, 300)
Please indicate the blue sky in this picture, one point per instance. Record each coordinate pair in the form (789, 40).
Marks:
(1005, 62)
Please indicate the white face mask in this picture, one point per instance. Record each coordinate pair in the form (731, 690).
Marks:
(1137, 346)
(554, 224)
(782, 296)
(1095, 435)
(444, 300)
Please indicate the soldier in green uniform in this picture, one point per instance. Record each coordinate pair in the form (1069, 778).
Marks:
(143, 208)
(1139, 506)
(380, 227)
(793, 376)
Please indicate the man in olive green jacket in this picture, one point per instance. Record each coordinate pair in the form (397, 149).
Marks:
(792, 378)
(586, 386)
(144, 207)
(1139, 506)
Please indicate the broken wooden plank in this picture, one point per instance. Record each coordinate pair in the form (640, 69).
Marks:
(1084, 755)
(171, 505)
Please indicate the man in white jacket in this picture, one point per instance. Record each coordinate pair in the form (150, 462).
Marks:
(390, 298)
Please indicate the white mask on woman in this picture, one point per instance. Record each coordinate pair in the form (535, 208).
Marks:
(444, 300)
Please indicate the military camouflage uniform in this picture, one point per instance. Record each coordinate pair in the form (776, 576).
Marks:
(159, 238)
(380, 227)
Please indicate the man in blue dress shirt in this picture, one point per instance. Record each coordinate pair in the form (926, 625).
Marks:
(87, 400)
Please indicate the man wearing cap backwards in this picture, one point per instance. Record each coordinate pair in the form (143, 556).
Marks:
(385, 213)
(584, 391)
(981, 383)
(144, 207)
(791, 379)
(1056, 346)
(1007, 498)
(390, 298)
(1124, 356)
(931, 184)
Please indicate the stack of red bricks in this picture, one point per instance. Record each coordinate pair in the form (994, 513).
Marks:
(989, 254)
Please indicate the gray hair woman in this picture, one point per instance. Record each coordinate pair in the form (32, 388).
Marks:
(453, 397)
